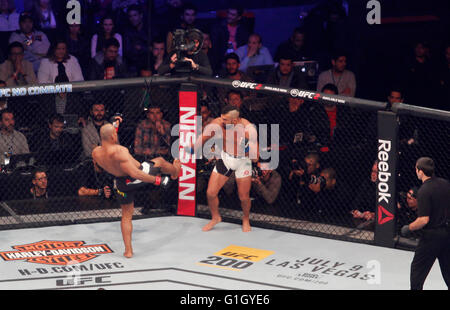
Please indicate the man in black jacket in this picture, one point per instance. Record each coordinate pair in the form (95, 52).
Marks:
(231, 31)
(54, 146)
(433, 218)
(108, 64)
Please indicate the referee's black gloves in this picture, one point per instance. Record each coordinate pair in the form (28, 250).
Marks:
(405, 231)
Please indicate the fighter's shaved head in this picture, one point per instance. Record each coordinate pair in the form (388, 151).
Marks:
(106, 132)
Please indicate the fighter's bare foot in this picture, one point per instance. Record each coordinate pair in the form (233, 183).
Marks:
(128, 254)
(246, 226)
(177, 165)
(211, 224)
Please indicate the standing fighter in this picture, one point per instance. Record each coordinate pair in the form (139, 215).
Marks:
(433, 199)
(130, 175)
(239, 140)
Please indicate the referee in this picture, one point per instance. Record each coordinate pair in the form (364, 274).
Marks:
(433, 200)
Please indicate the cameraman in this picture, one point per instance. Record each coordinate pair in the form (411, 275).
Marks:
(196, 60)
(266, 183)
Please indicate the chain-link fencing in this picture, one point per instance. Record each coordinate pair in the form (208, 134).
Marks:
(322, 182)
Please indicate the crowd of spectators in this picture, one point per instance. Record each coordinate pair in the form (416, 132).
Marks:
(113, 42)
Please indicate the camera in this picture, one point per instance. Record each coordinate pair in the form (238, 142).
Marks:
(256, 172)
(299, 165)
(185, 42)
(318, 179)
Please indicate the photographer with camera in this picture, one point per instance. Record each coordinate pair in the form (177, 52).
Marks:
(407, 206)
(328, 204)
(187, 55)
(266, 183)
(300, 175)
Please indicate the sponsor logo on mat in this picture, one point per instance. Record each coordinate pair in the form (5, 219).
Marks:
(235, 258)
(56, 252)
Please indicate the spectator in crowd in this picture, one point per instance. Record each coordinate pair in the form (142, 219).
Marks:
(45, 16)
(107, 31)
(120, 7)
(94, 182)
(286, 75)
(295, 46)
(35, 43)
(108, 64)
(3, 101)
(338, 75)
(207, 49)
(9, 18)
(363, 205)
(77, 45)
(303, 127)
(232, 67)
(421, 78)
(54, 146)
(205, 113)
(254, 53)
(90, 134)
(407, 207)
(230, 33)
(334, 115)
(16, 71)
(236, 98)
(136, 44)
(158, 53)
(12, 142)
(409, 131)
(40, 184)
(100, 9)
(267, 185)
(197, 63)
(59, 67)
(152, 138)
(186, 22)
(167, 16)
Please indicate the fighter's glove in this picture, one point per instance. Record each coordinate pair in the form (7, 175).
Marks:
(162, 181)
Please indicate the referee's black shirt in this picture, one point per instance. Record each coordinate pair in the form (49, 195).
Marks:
(433, 200)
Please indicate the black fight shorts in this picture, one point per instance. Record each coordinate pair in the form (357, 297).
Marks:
(125, 187)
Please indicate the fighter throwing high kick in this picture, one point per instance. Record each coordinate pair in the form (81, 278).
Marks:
(130, 175)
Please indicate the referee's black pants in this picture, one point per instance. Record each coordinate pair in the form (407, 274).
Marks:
(434, 244)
